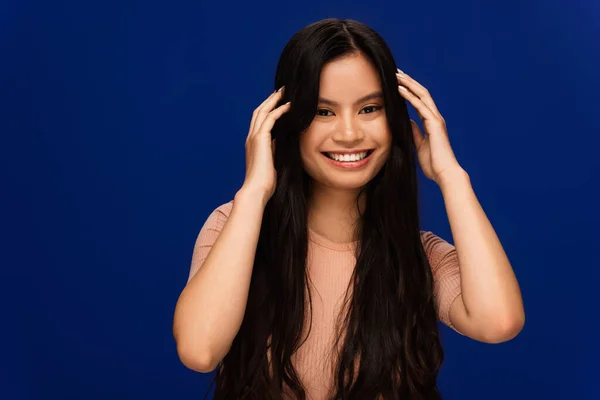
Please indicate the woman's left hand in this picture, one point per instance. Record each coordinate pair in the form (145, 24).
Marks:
(433, 149)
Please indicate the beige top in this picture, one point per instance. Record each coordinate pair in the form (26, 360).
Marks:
(330, 266)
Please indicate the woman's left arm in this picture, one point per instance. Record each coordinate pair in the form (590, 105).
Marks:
(490, 306)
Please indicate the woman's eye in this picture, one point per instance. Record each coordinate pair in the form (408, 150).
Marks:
(323, 113)
(367, 110)
(371, 109)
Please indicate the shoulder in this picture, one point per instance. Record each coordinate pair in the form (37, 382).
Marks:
(218, 216)
(438, 251)
(432, 241)
(208, 235)
(224, 209)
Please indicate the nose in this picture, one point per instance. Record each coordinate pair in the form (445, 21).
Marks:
(348, 133)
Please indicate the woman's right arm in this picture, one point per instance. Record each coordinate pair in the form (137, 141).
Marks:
(211, 307)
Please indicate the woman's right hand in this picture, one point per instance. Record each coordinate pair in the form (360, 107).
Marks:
(260, 169)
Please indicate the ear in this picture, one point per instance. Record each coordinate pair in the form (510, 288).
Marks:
(416, 134)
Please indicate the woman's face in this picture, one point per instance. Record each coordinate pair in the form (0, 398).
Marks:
(350, 121)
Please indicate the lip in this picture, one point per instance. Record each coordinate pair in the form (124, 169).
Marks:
(348, 151)
(350, 164)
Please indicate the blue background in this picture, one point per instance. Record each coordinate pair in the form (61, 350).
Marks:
(123, 126)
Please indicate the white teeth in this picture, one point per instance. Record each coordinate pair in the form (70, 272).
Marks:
(347, 157)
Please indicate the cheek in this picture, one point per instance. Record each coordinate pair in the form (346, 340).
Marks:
(307, 156)
(384, 140)
(379, 129)
(384, 136)
(304, 150)
(310, 163)
(309, 143)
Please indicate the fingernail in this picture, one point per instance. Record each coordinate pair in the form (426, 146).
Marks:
(399, 70)
(403, 88)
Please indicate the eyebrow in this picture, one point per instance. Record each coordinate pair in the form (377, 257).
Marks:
(375, 95)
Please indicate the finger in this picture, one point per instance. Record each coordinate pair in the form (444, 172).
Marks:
(265, 108)
(417, 89)
(270, 119)
(255, 113)
(417, 135)
(422, 109)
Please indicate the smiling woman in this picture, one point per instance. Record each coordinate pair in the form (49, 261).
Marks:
(316, 281)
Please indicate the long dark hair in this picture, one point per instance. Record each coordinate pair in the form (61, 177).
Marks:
(389, 321)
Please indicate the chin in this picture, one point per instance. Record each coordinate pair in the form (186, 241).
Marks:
(349, 183)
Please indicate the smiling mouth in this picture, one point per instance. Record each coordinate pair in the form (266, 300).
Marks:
(348, 157)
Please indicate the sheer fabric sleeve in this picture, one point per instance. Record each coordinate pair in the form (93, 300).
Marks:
(208, 235)
(444, 264)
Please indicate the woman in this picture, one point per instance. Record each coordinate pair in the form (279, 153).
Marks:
(316, 280)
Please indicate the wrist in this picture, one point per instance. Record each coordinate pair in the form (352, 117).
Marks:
(251, 195)
(452, 176)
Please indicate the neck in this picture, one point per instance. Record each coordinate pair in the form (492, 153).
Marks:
(333, 213)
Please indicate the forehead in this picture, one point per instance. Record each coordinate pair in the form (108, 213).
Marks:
(352, 76)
